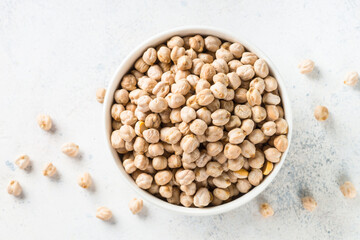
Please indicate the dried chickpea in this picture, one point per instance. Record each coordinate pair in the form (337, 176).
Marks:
(103, 213)
(269, 128)
(240, 95)
(84, 180)
(258, 160)
(127, 133)
(149, 56)
(270, 84)
(204, 97)
(248, 58)
(44, 122)
(241, 174)
(212, 43)
(170, 135)
(129, 165)
(253, 96)
(234, 64)
(175, 41)
(351, 78)
(184, 63)
(236, 164)
(197, 43)
(176, 53)
(163, 177)
(189, 143)
(233, 123)
(272, 112)
(236, 136)
(348, 190)
(281, 143)
(220, 66)
(256, 136)
(174, 161)
(306, 66)
(243, 185)
(220, 117)
(247, 149)
(70, 149)
(247, 126)
(144, 180)
(155, 149)
(214, 169)
(191, 53)
(272, 154)
(266, 210)
(152, 121)
(258, 114)
(140, 145)
(187, 114)
(121, 96)
(197, 65)
(219, 90)
(175, 198)
(236, 49)
(49, 170)
(128, 82)
(202, 197)
(135, 205)
(14, 188)
(175, 100)
(281, 126)
(207, 72)
(232, 151)
(261, 68)
(141, 66)
(309, 203)
(224, 54)
(255, 177)
(163, 54)
(22, 161)
(213, 134)
(222, 194)
(165, 191)
(127, 117)
(186, 200)
(151, 135)
(185, 177)
(175, 116)
(321, 113)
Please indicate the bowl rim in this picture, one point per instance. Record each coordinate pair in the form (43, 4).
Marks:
(124, 67)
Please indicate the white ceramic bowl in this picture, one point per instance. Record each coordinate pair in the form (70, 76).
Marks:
(124, 68)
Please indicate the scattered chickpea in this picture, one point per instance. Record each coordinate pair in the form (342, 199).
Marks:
(321, 113)
(49, 170)
(70, 149)
(348, 190)
(103, 213)
(135, 205)
(44, 122)
(351, 78)
(23, 161)
(100, 94)
(306, 66)
(84, 180)
(14, 188)
(266, 210)
(309, 203)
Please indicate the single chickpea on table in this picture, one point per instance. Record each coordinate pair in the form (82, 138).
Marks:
(198, 121)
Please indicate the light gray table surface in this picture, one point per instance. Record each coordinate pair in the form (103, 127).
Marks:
(55, 54)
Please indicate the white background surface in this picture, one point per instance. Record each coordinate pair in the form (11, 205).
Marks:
(55, 54)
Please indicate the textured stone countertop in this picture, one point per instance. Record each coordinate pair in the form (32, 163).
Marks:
(55, 54)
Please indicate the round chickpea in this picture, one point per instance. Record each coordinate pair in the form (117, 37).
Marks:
(261, 68)
(127, 117)
(163, 177)
(84, 180)
(271, 99)
(197, 65)
(258, 160)
(243, 185)
(222, 194)
(232, 151)
(351, 78)
(170, 135)
(186, 200)
(175, 41)
(270, 84)
(220, 117)
(135, 205)
(253, 96)
(141, 162)
(155, 149)
(240, 95)
(191, 53)
(151, 135)
(212, 43)
(281, 143)
(207, 72)
(49, 170)
(23, 161)
(306, 66)
(255, 176)
(204, 97)
(247, 149)
(158, 105)
(166, 191)
(247, 126)
(144, 180)
(184, 63)
(127, 133)
(149, 56)
(140, 145)
(272, 154)
(163, 54)
(185, 177)
(128, 82)
(129, 165)
(245, 72)
(103, 213)
(189, 143)
(141, 66)
(189, 189)
(266, 210)
(321, 113)
(159, 163)
(187, 114)
(224, 54)
(121, 96)
(234, 64)
(258, 114)
(176, 53)
(214, 169)
(219, 90)
(197, 43)
(213, 133)
(256, 136)
(175, 100)
(70, 149)
(309, 203)
(220, 66)
(45, 122)
(269, 128)
(236, 164)
(152, 121)
(348, 190)
(202, 197)
(198, 127)
(281, 126)
(174, 161)
(14, 188)
(272, 112)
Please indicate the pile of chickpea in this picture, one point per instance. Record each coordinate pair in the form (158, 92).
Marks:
(198, 121)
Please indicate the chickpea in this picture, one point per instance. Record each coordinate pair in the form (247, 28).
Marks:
(147, 84)
(306, 66)
(127, 133)
(152, 121)
(144, 180)
(156, 149)
(259, 84)
(247, 126)
(222, 181)
(224, 54)
(281, 143)
(84, 180)
(49, 170)
(203, 159)
(189, 143)
(141, 162)
(204, 97)
(165, 116)
(186, 200)
(200, 174)
(70, 149)
(165, 66)
(219, 90)
(272, 112)
(245, 72)
(243, 185)
(234, 80)
(212, 43)
(116, 125)
(136, 94)
(309, 203)
(258, 114)
(175, 41)
(175, 100)
(158, 105)
(23, 161)
(271, 99)
(348, 190)
(221, 78)
(236, 49)
(197, 43)
(155, 72)
(232, 151)
(149, 56)
(185, 177)
(197, 65)
(140, 145)
(207, 72)
(272, 154)
(233, 123)
(351, 78)
(187, 114)
(266, 210)
(128, 82)
(140, 115)
(135, 205)
(254, 97)
(174, 161)
(240, 95)
(256, 136)
(170, 135)
(165, 191)
(163, 177)
(141, 66)
(220, 66)
(270, 84)
(189, 189)
(255, 177)
(269, 128)
(121, 96)
(281, 126)
(261, 68)
(321, 113)
(191, 157)
(184, 63)
(183, 127)
(191, 53)
(222, 194)
(151, 135)
(233, 65)
(204, 114)
(159, 163)
(220, 117)
(202, 197)
(128, 118)
(14, 188)
(176, 53)
(258, 160)
(248, 58)
(129, 165)
(281, 112)
(163, 54)
(236, 164)
(247, 149)
(175, 116)
(116, 110)
(214, 169)
(103, 213)
(213, 134)
(198, 127)
(192, 80)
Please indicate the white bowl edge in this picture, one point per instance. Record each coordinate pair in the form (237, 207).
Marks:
(127, 64)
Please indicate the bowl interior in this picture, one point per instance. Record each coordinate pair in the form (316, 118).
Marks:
(127, 64)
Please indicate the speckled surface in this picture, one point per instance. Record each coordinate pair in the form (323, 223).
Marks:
(55, 54)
